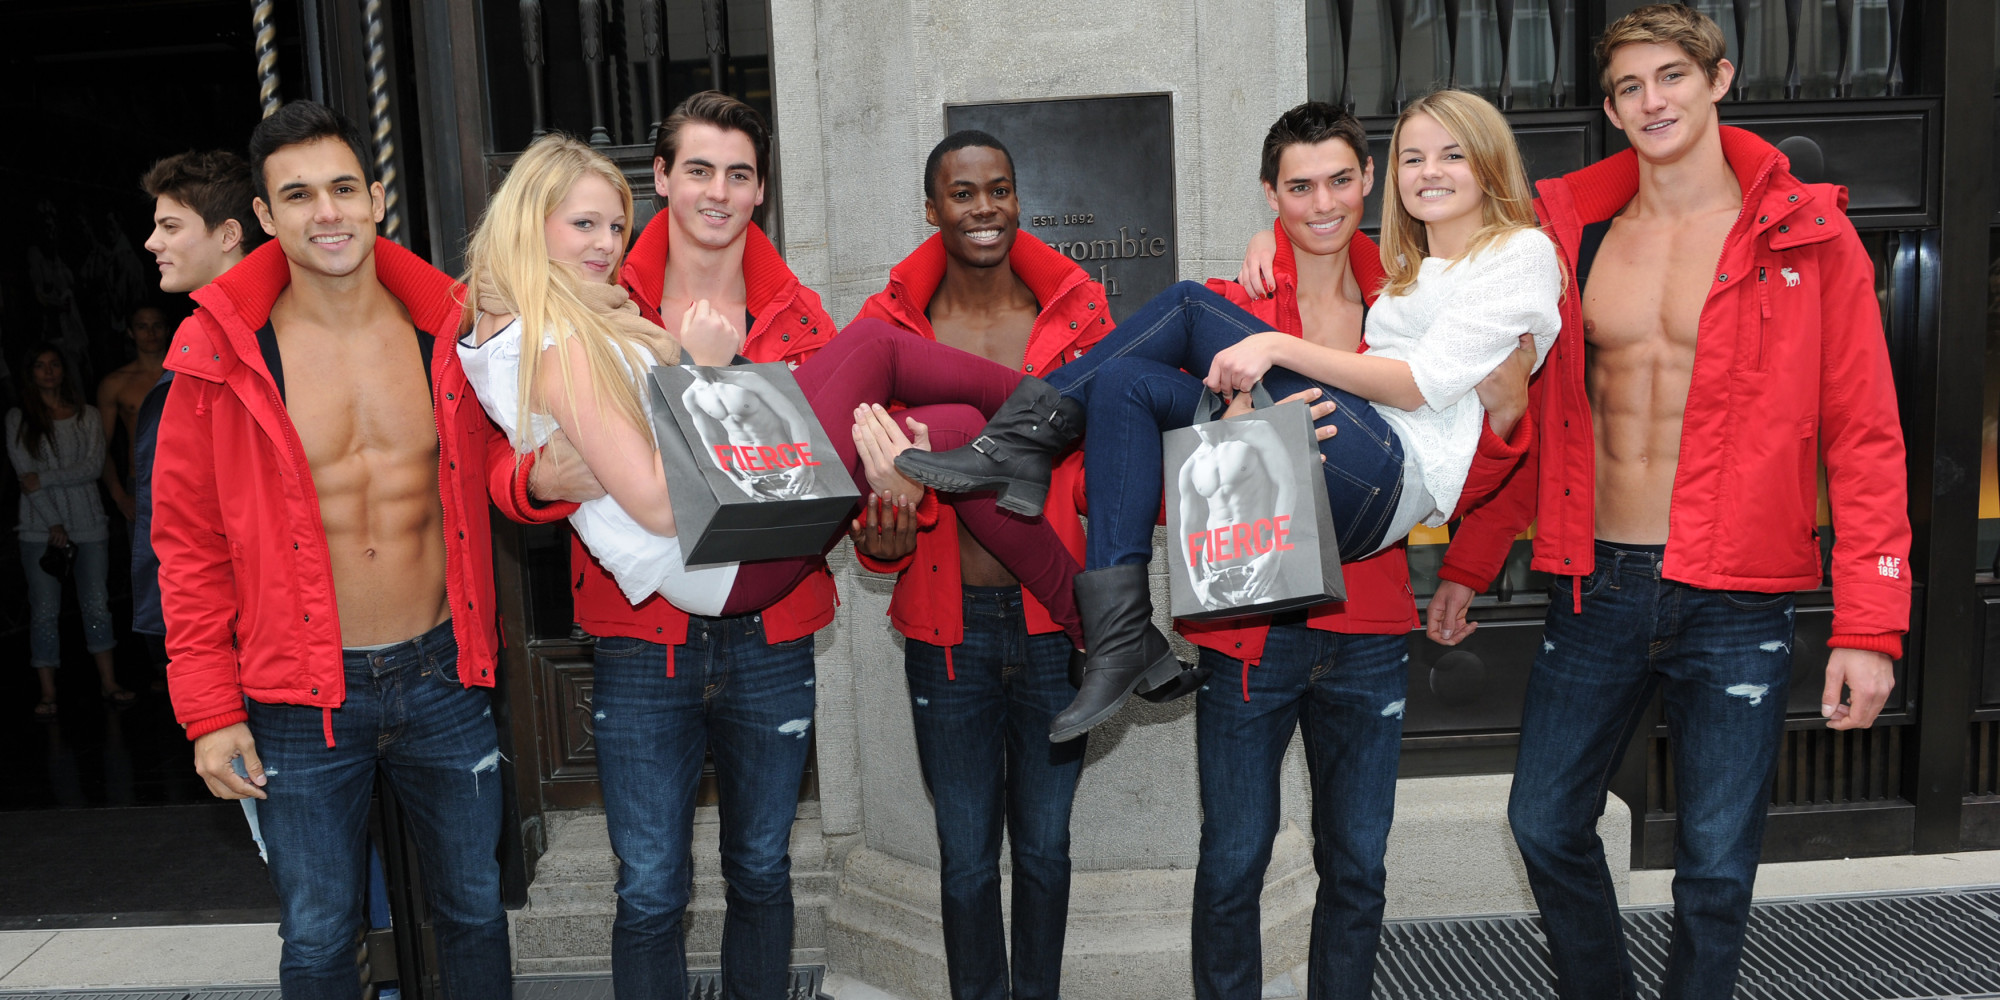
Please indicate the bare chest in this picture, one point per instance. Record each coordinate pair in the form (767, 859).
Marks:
(358, 394)
(672, 309)
(1331, 321)
(1650, 280)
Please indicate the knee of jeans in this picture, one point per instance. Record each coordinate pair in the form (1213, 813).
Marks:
(320, 932)
(470, 899)
(758, 880)
(1234, 863)
(654, 891)
(1538, 829)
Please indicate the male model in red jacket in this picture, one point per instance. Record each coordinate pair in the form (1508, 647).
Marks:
(1338, 672)
(667, 684)
(326, 567)
(1727, 331)
(987, 665)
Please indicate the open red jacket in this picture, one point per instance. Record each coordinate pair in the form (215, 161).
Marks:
(927, 605)
(790, 327)
(245, 580)
(1790, 367)
(1379, 600)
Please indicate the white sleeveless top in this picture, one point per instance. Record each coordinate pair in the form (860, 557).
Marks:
(643, 563)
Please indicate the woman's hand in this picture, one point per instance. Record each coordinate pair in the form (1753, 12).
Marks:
(31, 482)
(1504, 393)
(708, 337)
(878, 441)
(1240, 366)
(58, 538)
(1259, 275)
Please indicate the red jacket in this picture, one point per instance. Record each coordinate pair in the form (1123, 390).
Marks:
(1790, 358)
(790, 327)
(1379, 601)
(927, 605)
(245, 580)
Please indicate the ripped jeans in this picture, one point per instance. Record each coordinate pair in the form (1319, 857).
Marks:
(407, 714)
(1722, 659)
(750, 704)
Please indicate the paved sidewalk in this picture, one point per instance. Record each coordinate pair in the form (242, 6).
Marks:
(247, 954)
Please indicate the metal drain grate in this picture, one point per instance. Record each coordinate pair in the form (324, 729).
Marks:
(704, 984)
(1907, 946)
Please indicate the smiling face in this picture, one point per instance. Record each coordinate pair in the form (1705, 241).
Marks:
(975, 208)
(1434, 178)
(712, 186)
(1319, 194)
(587, 231)
(187, 252)
(322, 212)
(1661, 100)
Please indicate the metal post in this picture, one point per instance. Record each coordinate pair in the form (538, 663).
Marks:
(592, 14)
(531, 54)
(715, 26)
(378, 116)
(267, 56)
(653, 31)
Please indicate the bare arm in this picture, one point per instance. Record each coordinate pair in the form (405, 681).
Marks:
(623, 457)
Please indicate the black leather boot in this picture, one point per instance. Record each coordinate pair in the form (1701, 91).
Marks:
(1013, 455)
(1125, 652)
(1185, 683)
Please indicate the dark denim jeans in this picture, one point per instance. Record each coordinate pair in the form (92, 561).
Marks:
(407, 714)
(751, 704)
(1133, 387)
(1344, 694)
(1723, 661)
(983, 742)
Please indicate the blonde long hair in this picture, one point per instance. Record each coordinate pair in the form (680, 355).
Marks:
(1488, 143)
(508, 255)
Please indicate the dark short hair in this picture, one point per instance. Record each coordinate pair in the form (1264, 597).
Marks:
(964, 138)
(216, 184)
(301, 122)
(1310, 124)
(713, 107)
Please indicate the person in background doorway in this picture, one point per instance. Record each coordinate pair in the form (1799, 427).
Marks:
(56, 445)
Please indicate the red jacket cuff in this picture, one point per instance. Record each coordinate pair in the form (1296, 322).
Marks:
(873, 564)
(201, 728)
(1889, 644)
(1460, 576)
(927, 510)
(533, 510)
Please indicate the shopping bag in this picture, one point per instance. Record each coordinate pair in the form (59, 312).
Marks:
(1248, 524)
(750, 472)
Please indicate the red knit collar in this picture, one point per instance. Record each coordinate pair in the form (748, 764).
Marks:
(1044, 269)
(249, 290)
(1603, 188)
(765, 274)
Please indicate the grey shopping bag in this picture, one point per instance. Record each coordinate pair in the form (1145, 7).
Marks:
(1249, 528)
(750, 472)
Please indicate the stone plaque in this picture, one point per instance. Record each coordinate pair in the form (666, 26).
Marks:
(1096, 181)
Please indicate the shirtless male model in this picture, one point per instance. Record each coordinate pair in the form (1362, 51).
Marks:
(123, 392)
(1238, 476)
(326, 565)
(1677, 498)
(987, 666)
(1336, 674)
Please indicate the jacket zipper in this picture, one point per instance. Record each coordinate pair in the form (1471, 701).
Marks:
(1763, 310)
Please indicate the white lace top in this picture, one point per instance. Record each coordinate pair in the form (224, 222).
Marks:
(643, 563)
(68, 465)
(1456, 325)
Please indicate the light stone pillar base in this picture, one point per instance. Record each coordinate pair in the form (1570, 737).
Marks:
(1451, 852)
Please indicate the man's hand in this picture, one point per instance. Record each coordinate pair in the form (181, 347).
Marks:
(878, 441)
(886, 531)
(1238, 367)
(1504, 392)
(213, 754)
(559, 474)
(1259, 274)
(1869, 676)
(1444, 620)
(1242, 403)
(31, 482)
(709, 337)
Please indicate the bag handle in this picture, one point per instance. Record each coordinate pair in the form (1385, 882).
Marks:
(1212, 405)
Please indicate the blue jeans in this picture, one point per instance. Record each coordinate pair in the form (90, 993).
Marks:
(407, 714)
(1344, 694)
(983, 742)
(1723, 660)
(45, 594)
(1133, 387)
(749, 703)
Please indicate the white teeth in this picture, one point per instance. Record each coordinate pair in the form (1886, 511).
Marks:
(982, 235)
(1434, 193)
(1657, 125)
(329, 239)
